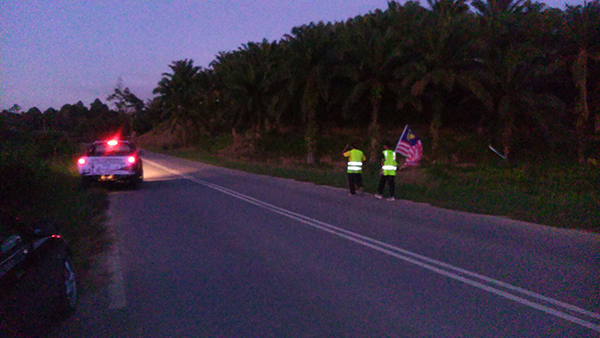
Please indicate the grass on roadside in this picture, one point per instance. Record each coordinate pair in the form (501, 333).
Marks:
(562, 196)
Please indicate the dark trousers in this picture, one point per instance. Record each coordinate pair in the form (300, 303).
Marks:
(391, 181)
(354, 181)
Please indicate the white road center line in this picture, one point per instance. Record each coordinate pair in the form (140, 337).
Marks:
(445, 269)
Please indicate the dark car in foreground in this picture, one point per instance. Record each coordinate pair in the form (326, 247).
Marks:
(37, 278)
(113, 160)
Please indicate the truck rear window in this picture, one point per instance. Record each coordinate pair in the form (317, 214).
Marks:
(121, 149)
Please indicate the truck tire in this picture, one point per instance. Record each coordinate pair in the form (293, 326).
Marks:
(135, 182)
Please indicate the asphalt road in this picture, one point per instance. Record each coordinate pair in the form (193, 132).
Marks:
(204, 251)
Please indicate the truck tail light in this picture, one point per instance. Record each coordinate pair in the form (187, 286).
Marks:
(81, 161)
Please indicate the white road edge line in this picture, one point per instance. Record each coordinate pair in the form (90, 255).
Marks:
(397, 253)
(116, 289)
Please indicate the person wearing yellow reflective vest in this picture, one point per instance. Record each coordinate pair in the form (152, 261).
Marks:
(388, 172)
(355, 163)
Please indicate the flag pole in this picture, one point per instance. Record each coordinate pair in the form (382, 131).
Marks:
(404, 131)
(401, 136)
(497, 152)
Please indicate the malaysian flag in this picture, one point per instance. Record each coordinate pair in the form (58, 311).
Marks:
(410, 146)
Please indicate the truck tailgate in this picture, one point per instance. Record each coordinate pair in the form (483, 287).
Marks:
(106, 165)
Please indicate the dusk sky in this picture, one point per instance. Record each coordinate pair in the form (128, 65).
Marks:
(58, 52)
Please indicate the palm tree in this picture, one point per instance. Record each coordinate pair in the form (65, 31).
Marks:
(247, 83)
(443, 50)
(511, 62)
(309, 46)
(371, 52)
(582, 35)
(179, 97)
(493, 9)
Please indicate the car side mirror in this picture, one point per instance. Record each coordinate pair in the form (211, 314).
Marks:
(141, 152)
(10, 243)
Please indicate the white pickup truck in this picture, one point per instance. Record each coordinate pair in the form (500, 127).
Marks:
(111, 161)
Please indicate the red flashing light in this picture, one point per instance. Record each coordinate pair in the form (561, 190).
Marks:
(131, 159)
(81, 161)
(112, 143)
(55, 236)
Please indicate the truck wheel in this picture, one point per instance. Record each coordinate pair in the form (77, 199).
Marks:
(135, 182)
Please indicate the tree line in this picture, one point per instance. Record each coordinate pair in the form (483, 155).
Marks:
(518, 74)
(78, 122)
(515, 72)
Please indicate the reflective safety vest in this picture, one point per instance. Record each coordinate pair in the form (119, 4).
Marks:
(355, 161)
(389, 163)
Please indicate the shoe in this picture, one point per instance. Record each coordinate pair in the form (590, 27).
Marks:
(361, 190)
(391, 199)
(377, 196)
(351, 194)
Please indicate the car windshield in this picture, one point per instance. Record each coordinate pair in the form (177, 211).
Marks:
(103, 149)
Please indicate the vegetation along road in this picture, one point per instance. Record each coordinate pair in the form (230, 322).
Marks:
(208, 251)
